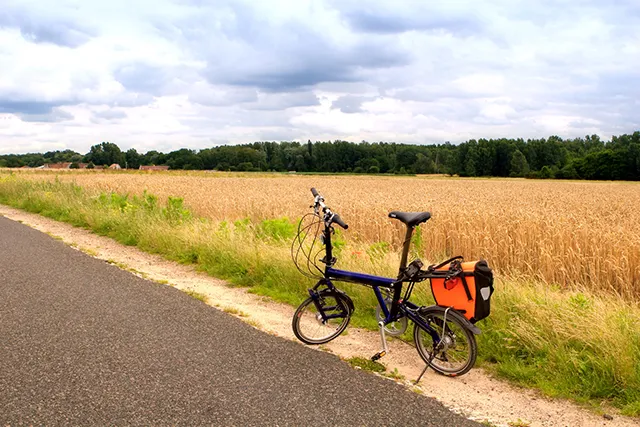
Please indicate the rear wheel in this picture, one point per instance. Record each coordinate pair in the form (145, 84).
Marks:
(456, 350)
(310, 327)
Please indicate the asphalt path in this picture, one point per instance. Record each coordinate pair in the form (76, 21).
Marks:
(83, 342)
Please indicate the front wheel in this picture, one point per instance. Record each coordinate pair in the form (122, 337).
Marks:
(454, 353)
(310, 327)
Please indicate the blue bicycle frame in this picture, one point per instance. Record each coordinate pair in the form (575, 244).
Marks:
(398, 309)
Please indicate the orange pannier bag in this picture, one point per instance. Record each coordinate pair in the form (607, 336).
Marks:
(465, 286)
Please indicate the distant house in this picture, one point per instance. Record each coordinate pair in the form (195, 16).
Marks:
(154, 168)
(65, 165)
(115, 166)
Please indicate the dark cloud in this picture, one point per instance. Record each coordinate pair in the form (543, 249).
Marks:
(304, 67)
(351, 104)
(282, 101)
(39, 27)
(27, 107)
(33, 106)
(143, 78)
(385, 21)
(286, 79)
(54, 115)
(242, 48)
(56, 33)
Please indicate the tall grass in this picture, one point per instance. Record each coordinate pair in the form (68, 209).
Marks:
(576, 234)
(566, 343)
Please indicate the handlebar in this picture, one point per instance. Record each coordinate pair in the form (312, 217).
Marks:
(336, 218)
(330, 217)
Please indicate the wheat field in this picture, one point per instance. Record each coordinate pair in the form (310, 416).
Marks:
(564, 233)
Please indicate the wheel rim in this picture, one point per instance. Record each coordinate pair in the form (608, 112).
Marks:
(311, 325)
(453, 352)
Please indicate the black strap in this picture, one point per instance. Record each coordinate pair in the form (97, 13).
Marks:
(466, 287)
(442, 264)
(456, 269)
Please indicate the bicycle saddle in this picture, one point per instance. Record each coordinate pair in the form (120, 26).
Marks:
(410, 218)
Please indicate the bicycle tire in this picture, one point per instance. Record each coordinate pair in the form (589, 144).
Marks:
(341, 307)
(456, 332)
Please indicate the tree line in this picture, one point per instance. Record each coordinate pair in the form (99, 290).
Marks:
(577, 158)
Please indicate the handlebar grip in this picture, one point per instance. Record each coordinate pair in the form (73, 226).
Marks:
(339, 221)
(314, 192)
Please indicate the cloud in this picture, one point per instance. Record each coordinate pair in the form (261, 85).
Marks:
(58, 27)
(142, 78)
(110, 114)
(26, 107)
(56, 114)
(388, 18)
(351, 104)
(283, 101)
(174, 73)
(243, 47)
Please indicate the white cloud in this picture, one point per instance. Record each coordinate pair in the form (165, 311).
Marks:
(167, 74)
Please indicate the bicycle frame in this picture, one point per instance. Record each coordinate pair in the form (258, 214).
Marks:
(399, 308)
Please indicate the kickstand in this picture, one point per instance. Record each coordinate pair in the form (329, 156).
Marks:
(423, 371)
(383, 338)
(433, 354)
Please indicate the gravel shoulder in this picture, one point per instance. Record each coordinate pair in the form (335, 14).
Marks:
(476, 395)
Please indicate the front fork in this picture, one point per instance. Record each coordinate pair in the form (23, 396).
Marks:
(315, 296)
(339, 295)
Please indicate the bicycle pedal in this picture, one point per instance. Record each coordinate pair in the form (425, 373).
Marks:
(378, 356)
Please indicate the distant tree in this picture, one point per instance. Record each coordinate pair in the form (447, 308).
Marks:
(569, 171)
(133, 159)
(105, 153)
(423, 164)
(584, 158)
(546, 173)
(519, 165)
(245, 166)
(470, 162)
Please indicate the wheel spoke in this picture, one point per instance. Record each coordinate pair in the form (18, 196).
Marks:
(455, 353)
(308, 325)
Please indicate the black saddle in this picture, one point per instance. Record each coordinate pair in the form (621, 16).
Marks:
(410, 218)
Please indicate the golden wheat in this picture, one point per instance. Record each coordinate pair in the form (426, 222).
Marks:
(561, 232)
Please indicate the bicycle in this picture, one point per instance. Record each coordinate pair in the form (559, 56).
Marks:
(444, 334)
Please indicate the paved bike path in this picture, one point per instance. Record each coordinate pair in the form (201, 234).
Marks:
(85, 343)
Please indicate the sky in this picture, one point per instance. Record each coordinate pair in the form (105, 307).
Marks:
(170, 74)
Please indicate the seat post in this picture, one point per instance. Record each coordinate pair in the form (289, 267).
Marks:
(403, 264)
(405, 248)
